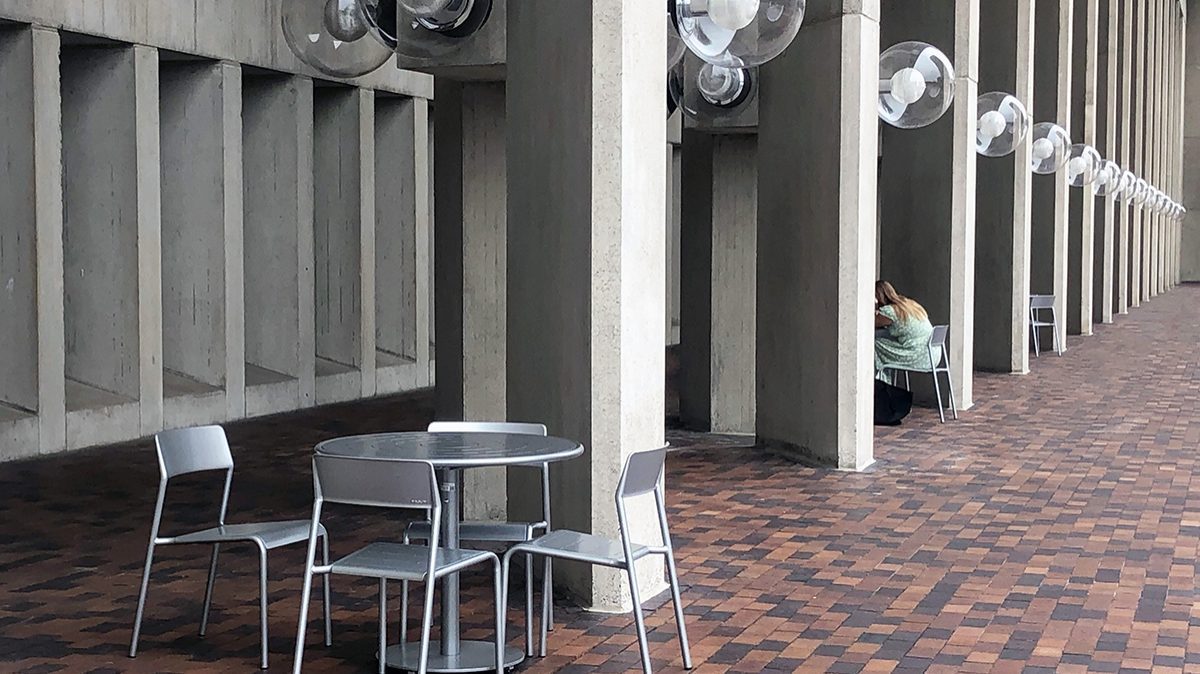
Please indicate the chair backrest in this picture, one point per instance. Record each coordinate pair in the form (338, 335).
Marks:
(641, 473)
(376, 483)
(937, 344)
(192, 450)
(1041, 301)
(487, 427)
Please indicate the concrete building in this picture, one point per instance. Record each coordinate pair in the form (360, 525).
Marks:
(199, 228)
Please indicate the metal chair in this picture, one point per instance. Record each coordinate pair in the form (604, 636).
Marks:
(939, 363)
(195, 450)
(1038, 304)
(642, 475)
(409, 485)
(500, 532)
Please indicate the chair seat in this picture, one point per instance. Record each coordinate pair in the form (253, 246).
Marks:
(270, 535)
(404, 562)
(490, 532)
(580, 547)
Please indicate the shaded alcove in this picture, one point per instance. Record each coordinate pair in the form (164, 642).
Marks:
(395, 232)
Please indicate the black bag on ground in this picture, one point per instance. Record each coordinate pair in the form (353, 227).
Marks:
(892, 404)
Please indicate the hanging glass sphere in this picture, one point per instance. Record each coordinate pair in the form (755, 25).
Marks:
(675, 46)
(311, 29)
(1083, 165)
(714, 92)
(1124, 189)
(737, 33)
(426, 29)
(1141, 191)
(916, 85)
(1162, 201)
(1051, 148)
(1108, 179)
(1002, 124)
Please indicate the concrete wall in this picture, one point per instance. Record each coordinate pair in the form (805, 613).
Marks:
(1189, 252)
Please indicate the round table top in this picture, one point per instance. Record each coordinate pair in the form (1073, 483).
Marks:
(454, 450)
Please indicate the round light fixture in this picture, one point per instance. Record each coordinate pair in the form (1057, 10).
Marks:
(1141, 191)
(1124, 189)
(916, 85)
(1083, 165)
(1002, 124)
(315, 30)
(712, 93)
(1108, 179)
(1051, 148)
(737, 33)
(426, 30)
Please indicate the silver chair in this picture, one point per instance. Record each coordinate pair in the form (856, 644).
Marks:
(409, 485)
(939, 363)
(642, 475)
(195, 450)
(1037, 305)
(500, 532)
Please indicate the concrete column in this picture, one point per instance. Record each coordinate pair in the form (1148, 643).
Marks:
(48, 215)
(1154, 145)
(674, 226)
(470, 186)
(1081, 238)
(1104, 281)
(1125, 119)
(366, 253)
(149, 238)
(587, 254)
(1052, 43)
(234, 262)
(927, 184)
(1189, 243)
(718, 282)
(815, 275)
(1140, 35)
(1004, 193)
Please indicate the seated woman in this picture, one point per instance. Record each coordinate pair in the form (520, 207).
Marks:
(906, 344)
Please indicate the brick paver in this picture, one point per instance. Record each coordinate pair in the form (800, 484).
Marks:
(1052, 529)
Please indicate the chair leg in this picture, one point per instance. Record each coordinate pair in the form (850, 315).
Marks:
(262, 600)
(141, 605)
(404, 603)
(547, 601)
(325, 591)
(499, 615)
(638, 621)
(426, 620)
(937, 389)
(950, 391)
(305, 597)
(382, 625)
(907, 383)
(529, 606)
(208, 589)
(675, 599)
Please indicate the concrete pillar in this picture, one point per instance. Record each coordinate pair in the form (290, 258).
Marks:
(674, 227)
(718, 282)
(927, 184)
(234, 260)
(149, 238)
(1104, 277)
(1154, 144)
(471, 257)
(1004, 191)
(1081, 238)
(1052, 43)
(1125, 119)
(277, 161)
(816, 274)
(1138, 223)
(1189, 243)
(587, 254)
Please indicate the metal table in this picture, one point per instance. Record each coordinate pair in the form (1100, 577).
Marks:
(450, 453)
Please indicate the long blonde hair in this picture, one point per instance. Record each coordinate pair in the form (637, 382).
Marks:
(906, 308)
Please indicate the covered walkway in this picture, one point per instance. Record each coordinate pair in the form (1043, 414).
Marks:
(1054, 528)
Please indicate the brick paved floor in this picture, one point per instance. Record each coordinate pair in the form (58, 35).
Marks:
(1052, 529)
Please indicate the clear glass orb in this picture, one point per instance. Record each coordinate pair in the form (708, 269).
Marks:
(675, 46)
(345, 20)
(1083, 165)
(426, 29)
(916, 85)
(674, 88)
(1141, 191)
(1003, 123)
(1108, 179)
(712, 93)
(307, 31)
(737, 33)
(721, 86)
(1051, 148)
(1124, 189)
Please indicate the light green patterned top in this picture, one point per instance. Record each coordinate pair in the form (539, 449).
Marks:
(906, 346)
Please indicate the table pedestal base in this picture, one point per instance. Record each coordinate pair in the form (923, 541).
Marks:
(473, 656)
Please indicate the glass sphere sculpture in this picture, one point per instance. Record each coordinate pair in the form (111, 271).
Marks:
(1002, 124)
(916, 85)
(737, 33)
(1141, 191)
(311, 29)
(712, 93)
(1108, 179)
(1051, 148)
(1083, 165)
(1124, 189)
(426, 30)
